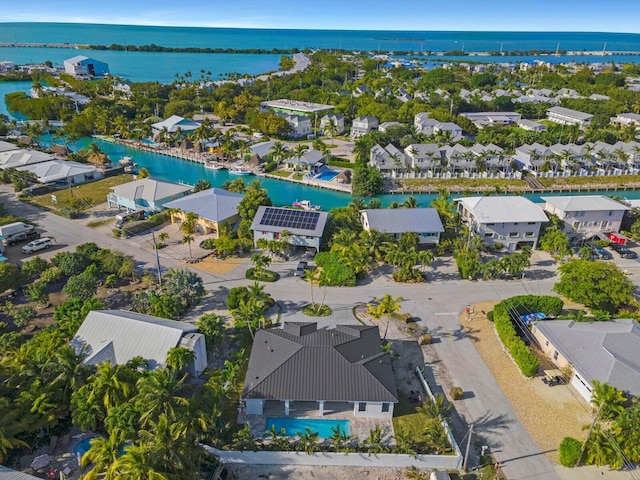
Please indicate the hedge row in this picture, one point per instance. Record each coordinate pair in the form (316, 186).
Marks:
(521, 354)
(335, 162)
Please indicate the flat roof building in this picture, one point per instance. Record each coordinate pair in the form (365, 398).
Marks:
(295, 107)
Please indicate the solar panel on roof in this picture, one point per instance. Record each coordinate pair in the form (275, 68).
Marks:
(287, 218)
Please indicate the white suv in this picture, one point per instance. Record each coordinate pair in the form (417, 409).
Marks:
(37, 245)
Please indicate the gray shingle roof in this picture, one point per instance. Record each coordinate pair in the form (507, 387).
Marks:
(292, 218)
(117, 336)
(502, 209)
(302, 363)
(150, 190)
(401, 220)
(586, 203)
(215, 204)
(567, 112)
(604, 351)
(8, 474)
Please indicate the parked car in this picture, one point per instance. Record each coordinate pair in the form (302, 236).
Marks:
(38, 245)
(22, 237)
(623, 250)
(300, 269)
(600, 252)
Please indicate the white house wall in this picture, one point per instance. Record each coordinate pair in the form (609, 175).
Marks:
(372, 410)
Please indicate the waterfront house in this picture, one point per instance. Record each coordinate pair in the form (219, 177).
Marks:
(146, 194)
(7, 66)
(117, 336)
(566, 116)
(295, 107)
(490, 157)
(312, 161)
(512, 221)
(14, 157)
(63, 172)
(388, 160)
(396, 221)
(335, 368)
(298, 227)
(338, 121)
(587, 215)
(262, 150)
(425, 157)
(459, 159)
(490, 119)
(534, 157)
(299, 125)
(85, 67)
(604, 351)
(214, 207)
(173, 124)
(363, 125)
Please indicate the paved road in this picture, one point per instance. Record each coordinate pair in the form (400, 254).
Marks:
(437, 304)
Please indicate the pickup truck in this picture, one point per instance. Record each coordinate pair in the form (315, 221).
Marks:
(21, 237)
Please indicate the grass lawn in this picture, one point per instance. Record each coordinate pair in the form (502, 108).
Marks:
(298, 176)
(406, 419)
(619, 180)
(281, 173)
(462, 183)
(94, 193)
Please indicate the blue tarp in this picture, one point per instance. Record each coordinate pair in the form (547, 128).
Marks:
(532, 317)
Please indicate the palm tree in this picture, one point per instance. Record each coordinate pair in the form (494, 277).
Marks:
(608, 399)
(96, 155)
(201, 185)
(279, 151)
(410, 202)
(188, 227)
(435, 408)
(103, 454)
(179, 358)
(331, 129)
(260, 262)
(135, 465)
(307, 441)
(159, 393)
(386, 307)
(374, 203)
(110, 386)
(163, 237)
(10, 425)
(298, 153)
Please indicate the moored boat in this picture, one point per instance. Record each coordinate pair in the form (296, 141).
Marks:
(238, 171)
(305, 205)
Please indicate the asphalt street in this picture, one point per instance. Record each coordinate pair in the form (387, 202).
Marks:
(437, 304)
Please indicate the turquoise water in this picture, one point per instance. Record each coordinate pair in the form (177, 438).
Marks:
(83, 447)
(347, 39)
(327, 175)
(294, 425)
(9, 87)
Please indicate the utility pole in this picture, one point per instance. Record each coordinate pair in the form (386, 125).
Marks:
(466, 453)
(155, 247)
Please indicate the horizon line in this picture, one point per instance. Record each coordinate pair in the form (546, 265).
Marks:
(315, 28)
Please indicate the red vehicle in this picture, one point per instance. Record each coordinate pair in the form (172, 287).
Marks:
(618, 238)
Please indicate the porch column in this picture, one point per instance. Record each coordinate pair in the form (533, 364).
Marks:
(286, 407)
(321, 405)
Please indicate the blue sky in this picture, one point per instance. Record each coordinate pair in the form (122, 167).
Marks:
(501, 15)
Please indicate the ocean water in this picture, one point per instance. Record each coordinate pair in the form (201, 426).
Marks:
(348, 39)
(9, 87)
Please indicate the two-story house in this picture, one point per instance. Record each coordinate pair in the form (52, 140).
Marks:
(299, 125)
(587, 215)
(424, 157)
(363, 125)
(566, 116)
(508, 220)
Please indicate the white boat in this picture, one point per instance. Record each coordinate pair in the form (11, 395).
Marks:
(305, 205)
(212, 166)
(238, 171)
(124, 161)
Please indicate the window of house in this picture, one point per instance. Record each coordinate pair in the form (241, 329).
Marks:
(488, 235)
(610, 213)
(385, 408)
(490, 224)
(531, 223)
(546, 343)
(362, 406)
(579, 214)
(513, 234)
(515, 223)
(529, 234)
(555, 355)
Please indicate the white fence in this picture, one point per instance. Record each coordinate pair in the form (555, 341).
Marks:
(433, 462)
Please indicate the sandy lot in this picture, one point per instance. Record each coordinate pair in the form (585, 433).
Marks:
(548, 413)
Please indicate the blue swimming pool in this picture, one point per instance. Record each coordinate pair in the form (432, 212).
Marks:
(81, 448)
(294, 425)
(327, 175)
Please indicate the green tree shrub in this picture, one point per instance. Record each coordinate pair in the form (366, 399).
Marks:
(456, 393)
(570, 450)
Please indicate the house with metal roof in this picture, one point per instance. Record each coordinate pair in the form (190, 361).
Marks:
(396, 221)
(295, 107)
(512, 221)
(363, 125)
(604, 351)
(81, 66)
(388, 160)
(7, 146)
(310, 161)
(628, 118)
(490, 119)
(338, 121)
(214, 207)
(426, 157)
(299, 125)
(300, 227)
(19, 157)
(146, 194)
(63, 172)
(117, 336)
(173, 124)
(333, 367)
(7, 474)
(531, 126)
(586, 215)
(566, 116)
